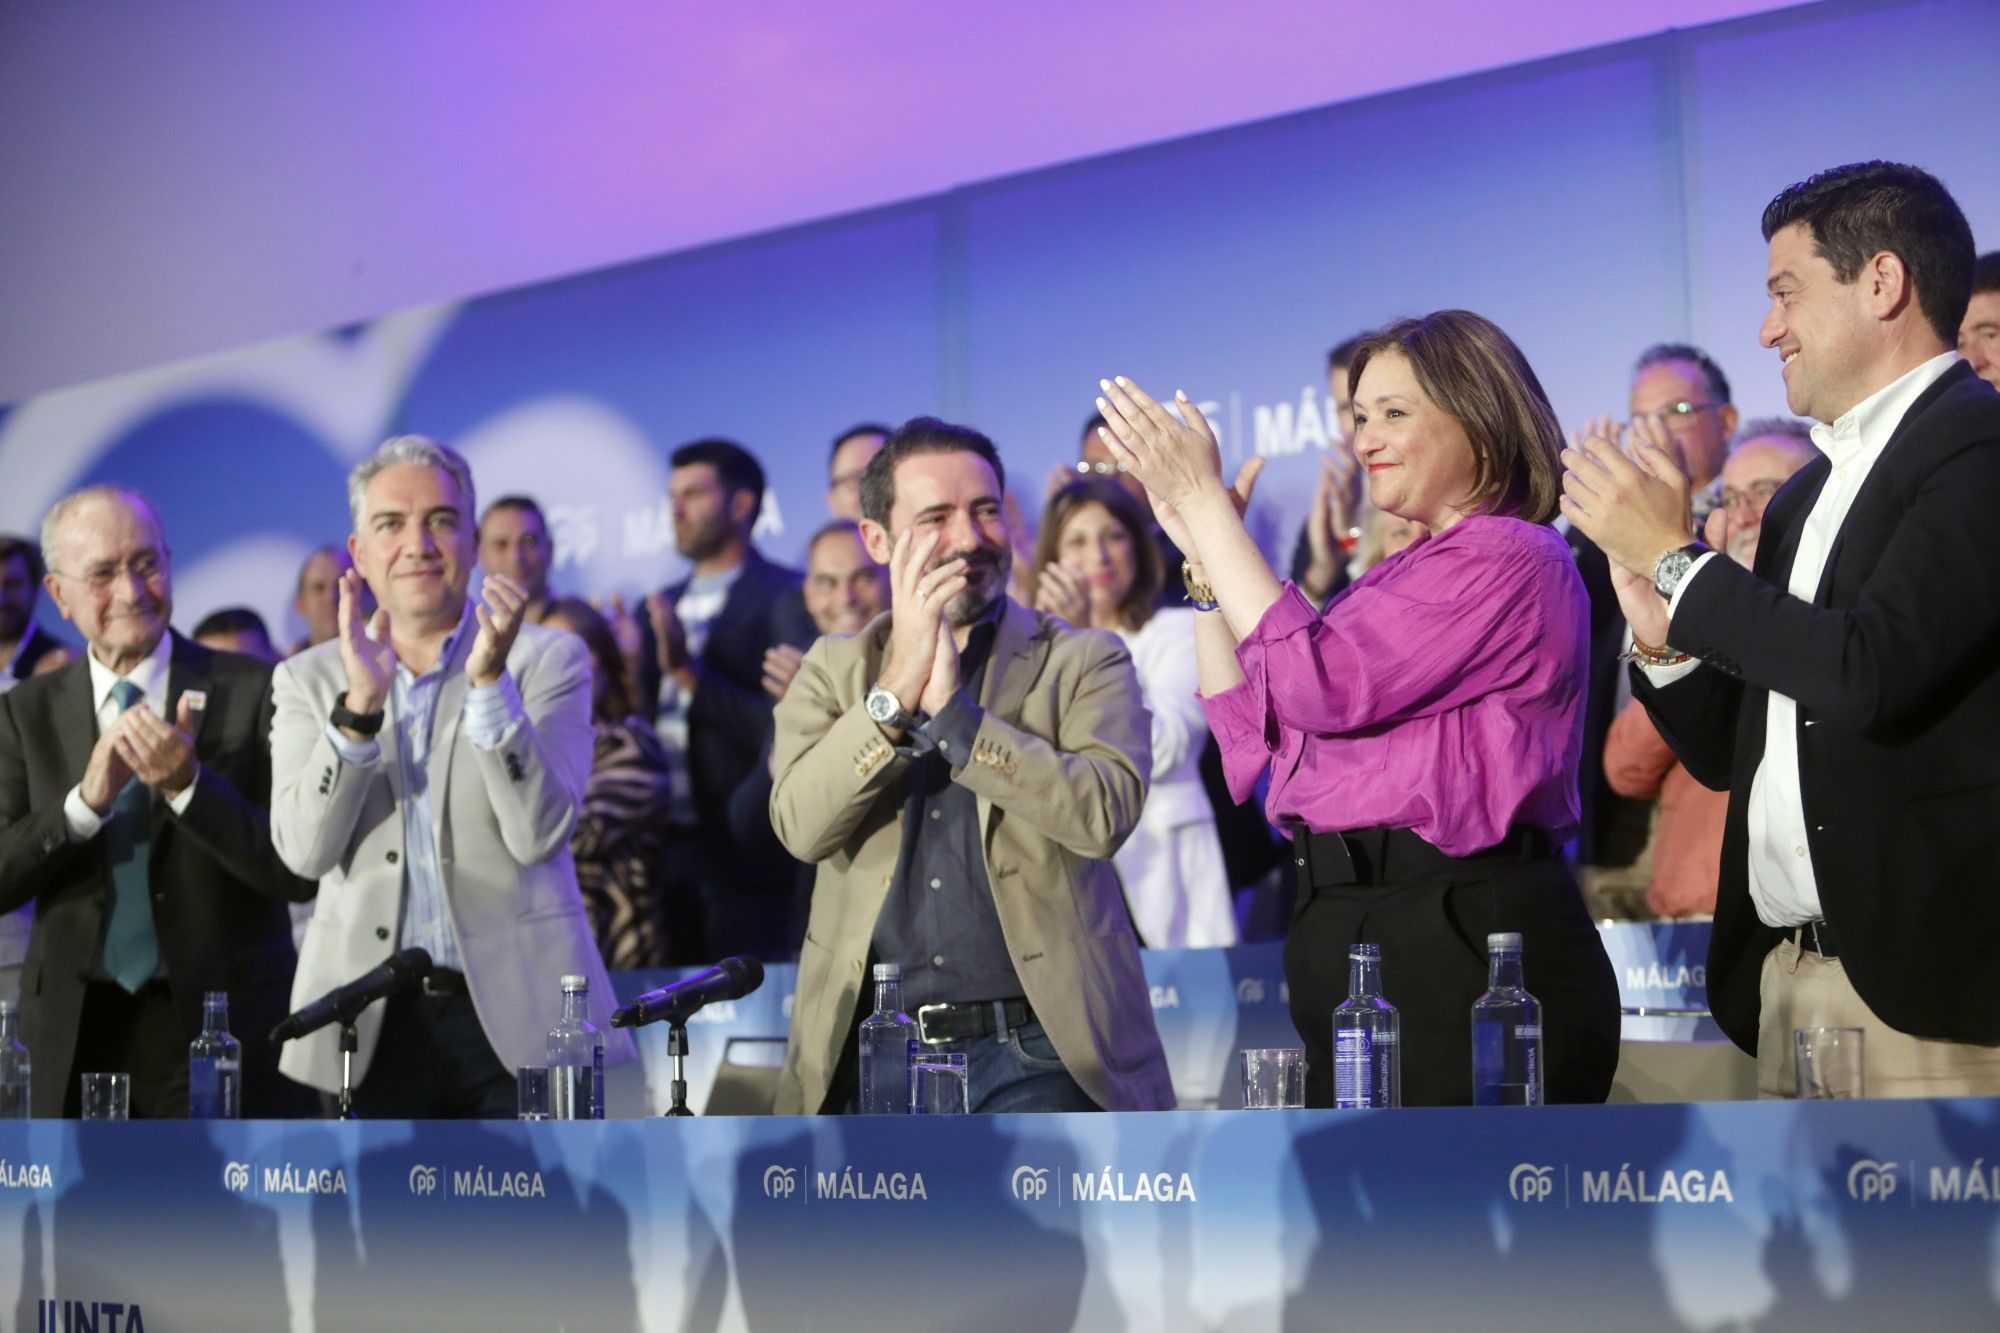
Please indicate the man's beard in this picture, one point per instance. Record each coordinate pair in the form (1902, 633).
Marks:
(703, 541)
(978, 596)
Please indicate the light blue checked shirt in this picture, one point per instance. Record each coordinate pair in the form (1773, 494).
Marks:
(491, 714)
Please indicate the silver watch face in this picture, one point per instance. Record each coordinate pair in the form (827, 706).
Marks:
(883, 706)
(1673, 567)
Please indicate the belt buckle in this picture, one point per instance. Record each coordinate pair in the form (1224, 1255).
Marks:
(923, 1023)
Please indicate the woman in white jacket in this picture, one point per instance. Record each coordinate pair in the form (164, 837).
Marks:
(1098, 565)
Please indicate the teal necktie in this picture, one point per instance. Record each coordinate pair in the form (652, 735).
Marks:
(131, 949)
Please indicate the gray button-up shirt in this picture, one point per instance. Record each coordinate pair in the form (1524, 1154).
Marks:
(939, 922)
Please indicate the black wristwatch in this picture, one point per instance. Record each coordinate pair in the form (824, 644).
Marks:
(1674, 566)
(348, 720)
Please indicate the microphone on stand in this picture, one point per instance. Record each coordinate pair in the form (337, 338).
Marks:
(730, 979)
(343, 1004)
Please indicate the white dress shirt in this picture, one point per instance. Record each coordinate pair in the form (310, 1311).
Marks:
(1782, 883)
(151, 678)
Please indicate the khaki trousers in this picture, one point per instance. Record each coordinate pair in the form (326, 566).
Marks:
(1799, 989)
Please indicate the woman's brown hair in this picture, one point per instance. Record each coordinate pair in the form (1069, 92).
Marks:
(1478, 377)
(615, 704)
(1138, 603)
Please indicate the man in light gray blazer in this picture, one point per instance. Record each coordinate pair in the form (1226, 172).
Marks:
(428, 768)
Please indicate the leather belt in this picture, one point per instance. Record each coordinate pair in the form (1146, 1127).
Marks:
(1384, 855)
(938, 1023)
(444, 981)
(1816, 937)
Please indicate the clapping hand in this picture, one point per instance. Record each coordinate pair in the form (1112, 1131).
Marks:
(365, 651)
(1329, 522)
(1061, 591)
(501, 609)
(917, 599)
(1636, 508)
(161, 756)
(1173, 457)
(781, 663)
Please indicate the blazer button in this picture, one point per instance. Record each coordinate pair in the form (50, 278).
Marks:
(392, 858)
(381, 932)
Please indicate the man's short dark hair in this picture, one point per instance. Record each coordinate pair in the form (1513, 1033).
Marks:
(1343, 351)
(1857, 211)
(11, 546)
(1986, 273)
(232, 620)
(865, 428)
(1660, 354)
(522, 503)
(920, 435)
(735, 467)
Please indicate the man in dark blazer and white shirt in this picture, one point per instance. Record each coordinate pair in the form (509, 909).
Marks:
(1847, 691)
(702, 662)
(134, 815)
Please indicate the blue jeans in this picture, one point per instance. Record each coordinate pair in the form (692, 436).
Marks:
(1017, 1071)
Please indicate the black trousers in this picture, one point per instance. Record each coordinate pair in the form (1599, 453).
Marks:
(1432, 932)
(433, 1062)
(137, 1034)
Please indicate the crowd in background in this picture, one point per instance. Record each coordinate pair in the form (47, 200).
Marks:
(665, 875)
(701, 771)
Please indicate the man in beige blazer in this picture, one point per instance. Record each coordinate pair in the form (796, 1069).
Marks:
(960, 772)
(427, 771)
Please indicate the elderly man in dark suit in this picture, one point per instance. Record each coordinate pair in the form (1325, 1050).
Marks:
(134, 814)
(702, 664)
(1844, 690)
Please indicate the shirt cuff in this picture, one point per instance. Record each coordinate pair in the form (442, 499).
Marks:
(493, 711)
(1667, 675)
(1291, 614)
(361, 754)
(954, 728)
(83, 821)
(178, 805)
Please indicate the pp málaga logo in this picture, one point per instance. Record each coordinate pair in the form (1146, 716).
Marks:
(236, 1177)
(1870, 1181)
(1528, 1183)
(780, 1182)
(423, 1180)
(1031, 1183)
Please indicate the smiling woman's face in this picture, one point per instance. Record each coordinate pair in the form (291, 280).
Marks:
(1419, 458)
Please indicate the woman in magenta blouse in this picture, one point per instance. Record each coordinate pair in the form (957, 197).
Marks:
(1422, 734)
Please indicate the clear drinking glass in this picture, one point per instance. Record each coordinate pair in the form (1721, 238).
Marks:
(1828, 1061)
(107, 1096)
(533, 1092)
(938, 1083)
(1273, 1078)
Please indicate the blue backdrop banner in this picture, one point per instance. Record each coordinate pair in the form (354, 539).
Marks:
(1860, 1213)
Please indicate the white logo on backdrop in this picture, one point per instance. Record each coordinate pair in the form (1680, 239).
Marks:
(423, 1180)
(236, 1177)
(1031, 1183)
(1528, 1183)
(1870, 1181)
(780, 1182)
